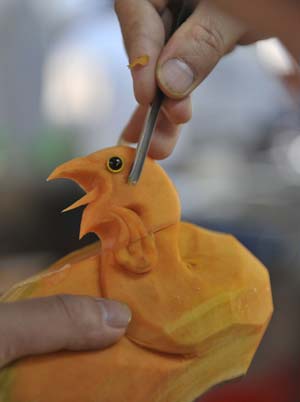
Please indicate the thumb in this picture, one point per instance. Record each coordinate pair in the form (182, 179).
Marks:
(195, 48)
(60, 322)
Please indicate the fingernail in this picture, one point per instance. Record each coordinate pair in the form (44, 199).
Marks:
(176, 76)
(117, 315)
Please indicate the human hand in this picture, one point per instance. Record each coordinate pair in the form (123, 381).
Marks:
(270, 17)
(57, 323)
(178, 66)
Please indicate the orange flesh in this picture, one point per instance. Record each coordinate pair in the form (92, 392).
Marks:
(139, 61)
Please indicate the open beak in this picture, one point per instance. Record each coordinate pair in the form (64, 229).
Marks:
(80, 170)
(86, 174)
(90, 177)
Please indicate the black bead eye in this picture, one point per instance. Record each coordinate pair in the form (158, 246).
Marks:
(115, 164)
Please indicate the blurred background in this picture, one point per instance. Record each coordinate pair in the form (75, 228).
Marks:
(65, 91)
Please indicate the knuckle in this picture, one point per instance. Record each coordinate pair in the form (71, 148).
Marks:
(138, 34)
(135, 28)
(78, 310)
(208, 34)
(83, 317)
(64, 304)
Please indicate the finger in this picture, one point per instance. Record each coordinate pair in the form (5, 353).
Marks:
(165, 138)
(167, 20)
(60, 322)
(195, 48)
(134, 128)
(178, 111)
(144, 33)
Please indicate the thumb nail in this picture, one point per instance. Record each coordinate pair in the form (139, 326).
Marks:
(116, 314)
(176, 76)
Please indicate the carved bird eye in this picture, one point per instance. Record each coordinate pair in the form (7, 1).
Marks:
(115, 164)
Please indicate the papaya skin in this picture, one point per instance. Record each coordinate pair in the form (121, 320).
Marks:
(200, 301)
